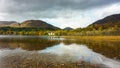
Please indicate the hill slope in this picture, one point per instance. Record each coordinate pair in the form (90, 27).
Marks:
(6, 23)
(107, 22)
(37, 24)
(28, 24)
(109, 25)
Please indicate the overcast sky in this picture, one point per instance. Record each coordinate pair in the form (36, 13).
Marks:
(61, 13)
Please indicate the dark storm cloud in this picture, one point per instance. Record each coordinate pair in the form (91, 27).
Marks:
(16, 6)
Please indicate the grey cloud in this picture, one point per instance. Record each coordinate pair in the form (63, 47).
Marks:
(41, 5)
(48, 8)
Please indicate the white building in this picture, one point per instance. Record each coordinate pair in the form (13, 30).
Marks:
(51, 34)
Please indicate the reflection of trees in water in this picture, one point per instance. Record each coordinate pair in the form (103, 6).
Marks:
(27, 43)
(110, 49)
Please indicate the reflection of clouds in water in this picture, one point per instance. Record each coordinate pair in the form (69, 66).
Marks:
(75, 52)
(6, 52)
(71, 52)
(81, 52)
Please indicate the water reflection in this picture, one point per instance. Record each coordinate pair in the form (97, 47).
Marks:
(63, 53)
(107, 48)
(28, 42)
(75, 52)
(81, 53)
(19, 49)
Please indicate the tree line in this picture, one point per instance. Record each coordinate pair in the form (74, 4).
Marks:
(89, 31)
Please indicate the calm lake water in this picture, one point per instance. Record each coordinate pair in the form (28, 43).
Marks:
(60, 50)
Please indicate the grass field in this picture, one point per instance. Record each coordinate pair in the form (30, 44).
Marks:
(95, 38)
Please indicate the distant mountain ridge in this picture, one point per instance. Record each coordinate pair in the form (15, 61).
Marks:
(109, 21)
(6, 23)
(105, 23)
(68, 28)
(28, 24)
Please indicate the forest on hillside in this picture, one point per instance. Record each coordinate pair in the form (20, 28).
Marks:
(90, 31)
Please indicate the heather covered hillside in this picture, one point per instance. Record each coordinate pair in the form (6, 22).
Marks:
(28, 24)
(109, 25)
(111, 21)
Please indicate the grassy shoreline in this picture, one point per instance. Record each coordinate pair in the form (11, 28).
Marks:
(95, 38)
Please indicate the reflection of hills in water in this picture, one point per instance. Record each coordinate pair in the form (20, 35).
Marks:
(60, 53)
(75, 52)
(110, 49)
(27, 43)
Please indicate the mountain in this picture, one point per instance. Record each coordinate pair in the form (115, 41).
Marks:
(15, 25)
(6, 23)
(109, 21)
(37, 24)
(68, 28)
(28, 24)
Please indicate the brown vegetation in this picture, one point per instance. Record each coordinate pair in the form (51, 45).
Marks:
(35, 60)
